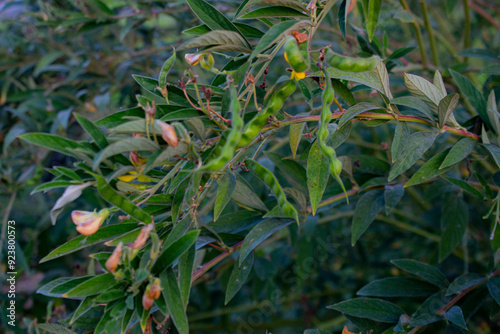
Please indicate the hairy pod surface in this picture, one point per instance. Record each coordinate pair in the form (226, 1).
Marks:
(351, 64)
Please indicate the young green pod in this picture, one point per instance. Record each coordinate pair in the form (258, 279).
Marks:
(351, 64)
(294, 56)
(270, 180)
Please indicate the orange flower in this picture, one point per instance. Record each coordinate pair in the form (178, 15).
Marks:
(192, 58)
(153, 291)
(346, 331)
(113, 261)
(88, 222)
(142, 237)
(168, 133)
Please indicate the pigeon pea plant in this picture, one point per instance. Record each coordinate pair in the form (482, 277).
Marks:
(192, 170)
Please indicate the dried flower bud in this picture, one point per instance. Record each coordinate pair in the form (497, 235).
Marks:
(192, 58)
(153, 291)
(168, 133)
(142, 237)
(150, 110)
(88, 222)
(136, 159)
(113, 261)
(300, 37)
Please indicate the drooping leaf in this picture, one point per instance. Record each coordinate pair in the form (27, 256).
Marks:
(238, 276)
(219, 40)
(473, 95)
(104, 234)
(93, 131)
(430, 169)
(458, 152)
(226, 184)
(172, 296)
(243, 195)
(272, 12)
(454, 220)
(397, 287)
(124, 145)
(456, 317)
(415, 103)
(70, 194)
(423, 270)
(401, 135)
(259, 233)
(295, 135)
(464, 282)
(356, 110)
(367, 208)
(417, 145)
(317, 175)
(423, 90)
(369, 308)
(465, 186)
(92, 286)
(392, 196)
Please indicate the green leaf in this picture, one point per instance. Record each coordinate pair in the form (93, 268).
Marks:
(344, 5)
(373, 13)
(245, 196)
(167, 65)
(292, 170)
(276, 33)
(86, 304)
(458, 152)
(45, 61)
(368, 78)
(96, 134)
(415, 103)
(318, 173)
(464, 282)
(401, 135)
(430, 169)
(423, 90)
(209, 15)
(272, 12)
(417, 145)
(54, 328)
(495, 152)
(392, 196)
(343, 91)
(219, 40)
(478, 53)
(446, 107)
(473, 95)
(246, 5)
(54, 143)
(226, 184)
(439, 83)
(173, 299)
(401, 52)
(120, 117)
(456, 316)
(397, 287)
(369, 308)
(93, 286)
(295, 135)
(424, 271)
(57, 287)
(174, 251)
(367, 208)
(121, 202)
(259, 233)
(239, 275)
(465, 186)
(148, 84)
(494, 288)
(340, 135)
(105, 233)
(356, 110)
(124, 145)
(186, 265)
(454, 218)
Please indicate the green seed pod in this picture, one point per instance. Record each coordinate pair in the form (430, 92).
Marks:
(225, 152)
(253, 128)
(294, 56)
(336, 167)
(270, 180)
(351, 64)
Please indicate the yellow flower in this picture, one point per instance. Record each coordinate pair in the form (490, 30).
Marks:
(132, 175)
(192, 58)
(298, 75)
(88, 222)
(113, 261)
(286, 58)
